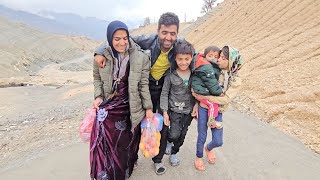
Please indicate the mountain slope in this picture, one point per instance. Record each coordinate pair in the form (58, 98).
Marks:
(25, 50)
(281, 45)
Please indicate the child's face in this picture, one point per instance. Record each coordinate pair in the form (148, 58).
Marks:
(212, 55)
(183, 61)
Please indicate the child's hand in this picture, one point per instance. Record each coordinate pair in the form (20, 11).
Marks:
(100, 60)
(166, 119)
(194, 113)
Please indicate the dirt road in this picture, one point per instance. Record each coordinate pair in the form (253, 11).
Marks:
(252, 150)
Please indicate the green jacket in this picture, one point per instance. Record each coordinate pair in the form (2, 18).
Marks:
(139, 94)
(229, 80)
(205, 76)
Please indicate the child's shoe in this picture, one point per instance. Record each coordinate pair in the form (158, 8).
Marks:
(211, 122)
(159, 168)
(168, 148)
(174, 161)
(218, 124)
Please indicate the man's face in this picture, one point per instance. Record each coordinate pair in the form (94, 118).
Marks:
(167, 36)
(183, 61)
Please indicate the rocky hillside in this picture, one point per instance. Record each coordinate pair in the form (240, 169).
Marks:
(25, 50)
(280, 41)
(56, 74)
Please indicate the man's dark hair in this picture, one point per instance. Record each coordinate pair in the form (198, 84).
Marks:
(184, 47)
(168, 19)
(211, 48)
(225, 51)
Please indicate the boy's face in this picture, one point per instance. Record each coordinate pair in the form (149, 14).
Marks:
(213, 55)
(183, 61)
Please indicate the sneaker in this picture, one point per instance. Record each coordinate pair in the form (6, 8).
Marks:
(174, 161)
(159, 168)
(168, 148)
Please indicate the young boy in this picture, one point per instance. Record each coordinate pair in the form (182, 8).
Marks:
(212, 53)
(176, 100)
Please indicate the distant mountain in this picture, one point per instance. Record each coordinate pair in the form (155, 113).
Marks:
(62, 23)
(88, 26)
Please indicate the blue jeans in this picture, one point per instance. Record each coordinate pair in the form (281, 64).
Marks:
(217, 134)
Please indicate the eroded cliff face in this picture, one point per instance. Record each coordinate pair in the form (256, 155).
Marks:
(280, 41)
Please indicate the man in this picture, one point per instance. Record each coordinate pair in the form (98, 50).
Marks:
(162, 62)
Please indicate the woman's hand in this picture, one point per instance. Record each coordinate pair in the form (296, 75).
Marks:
(97, 102)
(149, 114)
(198, 96)
(166, 119)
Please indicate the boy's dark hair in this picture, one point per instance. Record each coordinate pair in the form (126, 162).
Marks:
(211, 48)
(168, 19)
(225, 51)
(184, 47)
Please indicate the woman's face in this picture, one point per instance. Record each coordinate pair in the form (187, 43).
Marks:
(120, 40)
(212, 55)
(223, 62)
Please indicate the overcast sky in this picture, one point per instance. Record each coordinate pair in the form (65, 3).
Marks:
(112, 9)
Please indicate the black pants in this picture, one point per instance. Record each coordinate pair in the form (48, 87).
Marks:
(155, 88)
(179, 124)
(163, 145)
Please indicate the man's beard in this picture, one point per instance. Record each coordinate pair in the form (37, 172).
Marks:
(163, 46)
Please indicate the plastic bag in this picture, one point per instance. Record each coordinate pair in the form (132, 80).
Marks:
(87, 124)
(157, 121)
(150, 138)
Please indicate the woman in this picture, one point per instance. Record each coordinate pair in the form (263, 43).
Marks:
(122, 98)
(229, 62)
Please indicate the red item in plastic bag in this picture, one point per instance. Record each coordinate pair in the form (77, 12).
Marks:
(87, 124)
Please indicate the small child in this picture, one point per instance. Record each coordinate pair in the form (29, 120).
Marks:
(176, 100)
(211, 53)
(205, 81)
